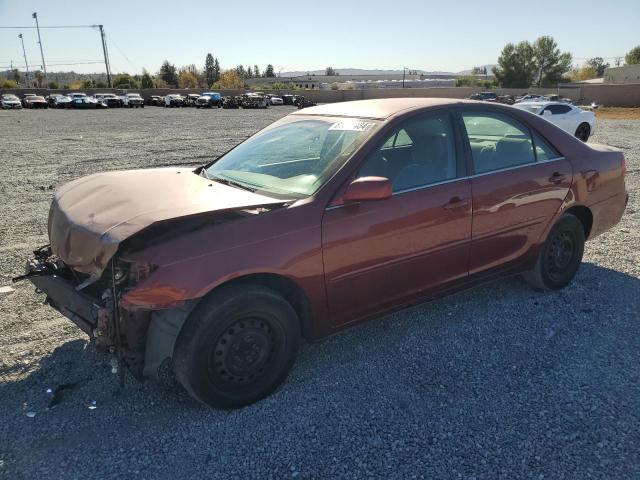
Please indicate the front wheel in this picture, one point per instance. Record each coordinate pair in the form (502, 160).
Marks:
(560, 255)
(237, 346)
(583, 132)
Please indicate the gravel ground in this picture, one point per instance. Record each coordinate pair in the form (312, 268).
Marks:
(496, 382)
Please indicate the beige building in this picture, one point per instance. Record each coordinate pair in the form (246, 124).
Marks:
(622, 75)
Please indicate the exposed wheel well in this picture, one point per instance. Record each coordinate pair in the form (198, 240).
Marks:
(286, 287)
(585, 216)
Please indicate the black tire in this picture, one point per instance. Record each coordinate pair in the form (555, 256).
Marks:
(583, 132)
(560, 256)
(237, 346)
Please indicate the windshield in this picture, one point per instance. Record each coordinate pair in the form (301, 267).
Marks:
(529, 107)
(10, 97)
(293, 157)
(133, 95)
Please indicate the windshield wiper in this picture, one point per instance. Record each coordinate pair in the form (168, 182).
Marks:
(203, 169)
(232, 183)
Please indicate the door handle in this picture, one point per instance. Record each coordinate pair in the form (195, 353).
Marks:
(557, 178)
(456, 202)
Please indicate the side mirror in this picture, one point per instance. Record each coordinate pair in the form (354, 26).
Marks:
(368, 188)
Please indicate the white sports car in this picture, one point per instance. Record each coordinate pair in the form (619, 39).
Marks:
(569, 118)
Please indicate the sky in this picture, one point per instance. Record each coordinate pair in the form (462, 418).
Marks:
(306, 35)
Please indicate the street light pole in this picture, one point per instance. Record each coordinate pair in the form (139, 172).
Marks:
(44, 66)
(404, 71)
(26, 65)
(106, 57)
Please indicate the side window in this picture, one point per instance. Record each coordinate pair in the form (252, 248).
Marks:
(497, 141)
(558, 109)
(544, 151)
(421, 151)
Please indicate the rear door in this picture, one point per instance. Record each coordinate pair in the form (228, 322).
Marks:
(382, 254)
(519, 182)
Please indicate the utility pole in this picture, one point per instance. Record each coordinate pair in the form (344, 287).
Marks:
(44, 66)
(106, 55)
(26, 65)
(404, 71)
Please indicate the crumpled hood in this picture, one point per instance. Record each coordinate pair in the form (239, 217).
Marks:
(91, 216)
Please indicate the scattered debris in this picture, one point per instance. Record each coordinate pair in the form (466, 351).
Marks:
(31, 414)
(91, 405)
(6, 289)
(58, 393)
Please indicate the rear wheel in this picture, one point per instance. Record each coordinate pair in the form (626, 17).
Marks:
(560, 256)
(237, 346)
(583, 132)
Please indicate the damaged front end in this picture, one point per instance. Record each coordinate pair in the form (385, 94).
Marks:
(93, 304)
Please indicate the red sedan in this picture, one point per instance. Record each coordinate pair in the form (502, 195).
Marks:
(328, 217)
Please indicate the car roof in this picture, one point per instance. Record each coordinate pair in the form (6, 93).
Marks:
(379, 108)
(543, 103)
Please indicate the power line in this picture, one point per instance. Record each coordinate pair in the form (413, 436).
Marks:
(55, 26)
(60, 64)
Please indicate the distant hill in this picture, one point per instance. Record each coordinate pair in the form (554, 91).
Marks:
(61, 78)
(354, 71)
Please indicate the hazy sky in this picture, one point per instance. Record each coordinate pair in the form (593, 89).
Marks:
(305, 35)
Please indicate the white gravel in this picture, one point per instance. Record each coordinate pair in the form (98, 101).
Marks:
(497, 382)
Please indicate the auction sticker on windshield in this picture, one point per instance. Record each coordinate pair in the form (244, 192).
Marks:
(352, 124)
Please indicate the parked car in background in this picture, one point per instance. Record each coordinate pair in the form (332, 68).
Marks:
(24, 98)
(35, 101)
(571, 119)
(75, 95)
(232, 102)
(190, 100)
(506, 99)
(485, 96)
(10, 101)
(173, 100)
(86, 103)
(287, 99)
(275, 100)
(132, 100)
(254, 100)
(111, 100)
(531, 98)
(329, 217)
(304, 102)
(155, 100)
(209, 100)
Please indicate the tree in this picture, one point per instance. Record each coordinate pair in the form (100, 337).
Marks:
(16, 76)
(4, 83)
(188, 79)
(256, 71)
(124, 80)
(329, 72)
(584, 73)
(268, 72)
(524, 64)
(479, 71)
(633, 57)
(169, 74)
(100, 84)
(597, 63)
(515, 66)
(209, 69)
(551, 64)
(39, 78)
(216, 70)
(146, 81)
(53, 85)
(230, 79)
(249, 72)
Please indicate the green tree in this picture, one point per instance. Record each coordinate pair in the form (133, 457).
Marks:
(124, 80)
(585, 73)
(256, 71)
(479, 71)
(53, 85)
(169, 74)
(268, 72)
(39, 78)
(209, 69)
(524, 64)
(551, 64)
(242, 73)
(216, 70)
(17, 76)
(249, 72)
(597, 63)
(515, 66)
(329, 71)
(101, 84)
(633, 57)
(4, 83)
(146, 81)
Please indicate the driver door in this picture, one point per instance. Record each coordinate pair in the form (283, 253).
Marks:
(385, 253)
